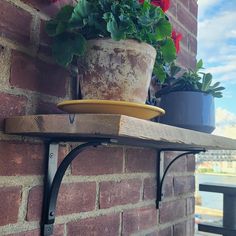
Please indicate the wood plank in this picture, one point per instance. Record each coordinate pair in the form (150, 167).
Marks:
(123, 128)
(63, 125)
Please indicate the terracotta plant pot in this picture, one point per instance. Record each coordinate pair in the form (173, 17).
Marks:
(116, 70)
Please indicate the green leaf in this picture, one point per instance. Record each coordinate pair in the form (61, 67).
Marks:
(65, 13)
(168, 50)
(81, 10)
(199, 65)
(61, 50)
(78, 44)
(163, 30)
(66, 46)
(206, 81)
(218, 89)
(159, 72)
(217, 95)
(59, 24)
(112, 27)
(215, 85)
(61, 27)
(51, 28)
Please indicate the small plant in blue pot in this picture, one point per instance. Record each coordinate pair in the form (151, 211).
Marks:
(188, 98)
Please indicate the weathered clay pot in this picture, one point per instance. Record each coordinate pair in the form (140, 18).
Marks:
(116, 70)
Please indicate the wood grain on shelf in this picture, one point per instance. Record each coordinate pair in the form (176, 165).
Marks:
(119, 127)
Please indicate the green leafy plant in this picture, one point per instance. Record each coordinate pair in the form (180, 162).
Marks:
(190, 80)
(144, 21)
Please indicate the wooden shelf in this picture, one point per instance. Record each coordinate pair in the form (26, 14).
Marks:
(124, 129)
(95, 130)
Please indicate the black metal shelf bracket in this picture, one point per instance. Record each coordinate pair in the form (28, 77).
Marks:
(55, 174)
(161, 172)
(53, 179)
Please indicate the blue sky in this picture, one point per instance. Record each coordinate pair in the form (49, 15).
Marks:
(217, 48)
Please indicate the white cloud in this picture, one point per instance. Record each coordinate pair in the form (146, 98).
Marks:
(232, 34)
(205, 5)
(226, 131)
(217, 48)
(215, 30)
(217, 44)
(225, 71)
(223, 116)
(225, 123)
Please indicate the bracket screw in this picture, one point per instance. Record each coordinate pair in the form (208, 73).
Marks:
(52, 213)
(51, 155)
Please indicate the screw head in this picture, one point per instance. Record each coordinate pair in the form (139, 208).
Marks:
(52, 213)
(51, 155)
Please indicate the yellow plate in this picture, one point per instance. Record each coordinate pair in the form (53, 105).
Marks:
(137, 110)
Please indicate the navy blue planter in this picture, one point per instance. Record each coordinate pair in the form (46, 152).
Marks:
(189, 110)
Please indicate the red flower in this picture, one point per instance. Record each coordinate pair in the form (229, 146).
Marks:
(163, 4)
(176, 38)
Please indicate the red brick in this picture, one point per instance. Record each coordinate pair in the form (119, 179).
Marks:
(192, 44)
(140, 160)
(44, 38)
(139, 219)
(47, 7)
(14, 23)
(162, 232)
(173, 8)
(167, 188)
(57, 231)
(72, 198)
(184, 184)
(45, 41)
(193, 6)
(36, 75)
(47, 108)
(166, 232)
(10, 202)
(64, 149)
(186, 60)
(45, 50)
(184, 2)
(149, 189)
(178, 166)
(17, 158)
(180, 229)
(119, 193)
(170, 211)
(155, 233)
(107, 225)
(97, 161)
(190, 205)
(190, 227)
(186, 18)
(11, 105)
(191, 163)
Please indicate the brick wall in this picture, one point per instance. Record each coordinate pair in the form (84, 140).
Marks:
(108, 191)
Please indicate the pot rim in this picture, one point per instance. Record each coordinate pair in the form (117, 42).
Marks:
(127, 43)
(195, 92)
